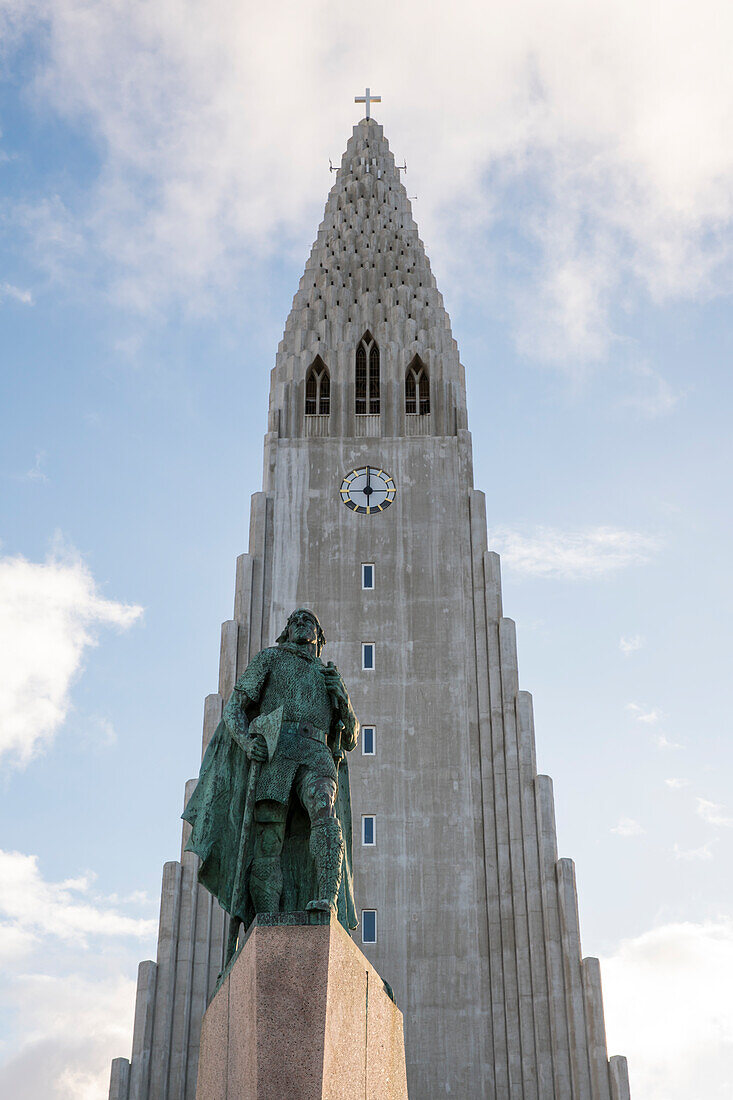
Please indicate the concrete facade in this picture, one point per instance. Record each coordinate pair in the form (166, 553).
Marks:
(477, 917)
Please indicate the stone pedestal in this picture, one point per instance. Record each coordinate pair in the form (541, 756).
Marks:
(301, 1015)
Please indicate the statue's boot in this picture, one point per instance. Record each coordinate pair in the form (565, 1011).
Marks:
(266, 884)
(327, 849)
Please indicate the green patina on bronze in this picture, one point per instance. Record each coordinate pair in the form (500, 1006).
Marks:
(284, 733)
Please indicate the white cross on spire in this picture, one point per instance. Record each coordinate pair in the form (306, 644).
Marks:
(368, 99)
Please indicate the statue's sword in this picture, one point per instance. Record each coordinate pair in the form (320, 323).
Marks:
(336, 750)
(269, 726)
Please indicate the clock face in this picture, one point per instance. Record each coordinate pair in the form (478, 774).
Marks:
(368, 489)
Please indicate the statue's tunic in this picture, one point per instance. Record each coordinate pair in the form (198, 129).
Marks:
(283, 677)
(312, 727)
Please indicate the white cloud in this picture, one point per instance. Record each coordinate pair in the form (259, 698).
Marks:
(611, 123)
(663, 742)
(35, 472)
(95, 730)
(713, 813)
(573, 555)
(693, 854)
(56, 239)
(70, 1028)
(649, 716)
(668, 1008)
(652, 396)
(46, 1009)
(48, 615)
(107, 734)
(7, 290)
(626, 826)
(136, 897)
(35, 907)
(67, 996)
(676, 784)
(631, 644)
(15, 943)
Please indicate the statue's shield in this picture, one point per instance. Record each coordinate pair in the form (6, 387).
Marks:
(269, 726)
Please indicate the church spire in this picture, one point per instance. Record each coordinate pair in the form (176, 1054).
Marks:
(368, 272)
(478, 918)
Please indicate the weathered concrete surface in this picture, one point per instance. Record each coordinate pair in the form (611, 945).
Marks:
(618, 1074)
(119, 1082)
(301, 1015)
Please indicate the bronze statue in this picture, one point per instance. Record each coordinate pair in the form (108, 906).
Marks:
(271, 814)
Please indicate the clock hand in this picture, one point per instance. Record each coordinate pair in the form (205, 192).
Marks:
(368, 488)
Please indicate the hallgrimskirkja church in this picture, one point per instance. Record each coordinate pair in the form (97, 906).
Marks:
(368, 515)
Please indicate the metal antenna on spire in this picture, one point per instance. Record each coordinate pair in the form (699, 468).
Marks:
(368, 98)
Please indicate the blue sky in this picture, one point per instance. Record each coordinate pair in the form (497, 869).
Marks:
(162, 179)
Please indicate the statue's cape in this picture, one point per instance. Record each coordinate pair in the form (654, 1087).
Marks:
(215, 811)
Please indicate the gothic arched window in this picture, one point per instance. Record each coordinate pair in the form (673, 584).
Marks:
(417, 388)
(317, 389)
(366, 376)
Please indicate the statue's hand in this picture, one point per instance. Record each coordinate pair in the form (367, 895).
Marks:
(257, 749)
(336, 686)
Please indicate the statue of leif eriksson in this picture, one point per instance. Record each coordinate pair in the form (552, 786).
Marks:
(271, 814)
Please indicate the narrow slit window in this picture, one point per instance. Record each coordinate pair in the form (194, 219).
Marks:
(361, 380)
(417, 388)
(410, 393)
(369, 926)
(367, 655)
(324, 398)
(317, 389)
(424, 392)
(311, 394)
(368, 830)
(374, 380)
(366, 377)
(368, 741)
(367, 575)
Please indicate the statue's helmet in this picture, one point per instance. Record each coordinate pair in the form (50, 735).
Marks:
(320, 636)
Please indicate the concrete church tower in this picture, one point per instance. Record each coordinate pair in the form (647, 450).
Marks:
(473, 916)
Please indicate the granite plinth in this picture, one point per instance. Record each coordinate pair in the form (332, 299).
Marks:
(301, 1015)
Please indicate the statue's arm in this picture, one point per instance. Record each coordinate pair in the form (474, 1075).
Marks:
(344, 716)
(242, 704)
(350, 730)
(236, 716)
